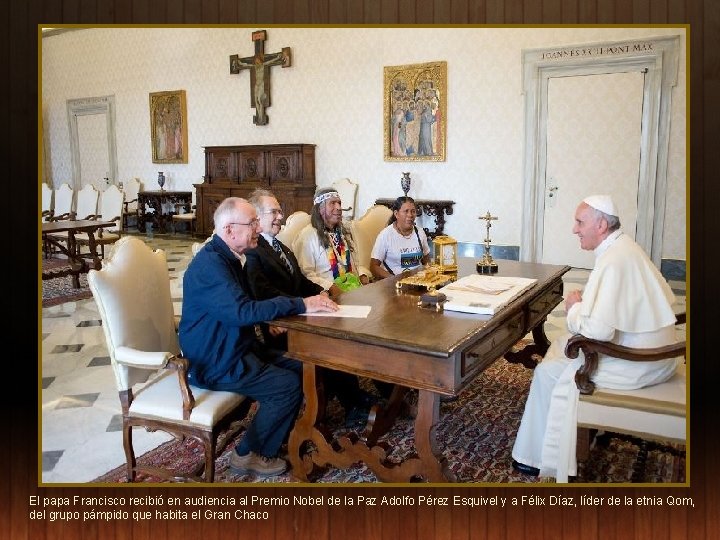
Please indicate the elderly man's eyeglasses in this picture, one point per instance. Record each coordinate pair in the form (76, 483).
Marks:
(252, 223)
(273, 211)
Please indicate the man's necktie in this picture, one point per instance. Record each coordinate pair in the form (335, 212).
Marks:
(281, 254)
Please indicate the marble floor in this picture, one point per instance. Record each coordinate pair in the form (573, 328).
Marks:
(81, 419)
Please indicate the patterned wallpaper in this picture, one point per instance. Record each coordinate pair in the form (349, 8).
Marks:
(332, 97)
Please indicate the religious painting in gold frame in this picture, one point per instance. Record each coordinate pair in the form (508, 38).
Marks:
(415, 112)
(168, 127)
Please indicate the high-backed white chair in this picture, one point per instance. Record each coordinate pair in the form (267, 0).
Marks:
(63, 203)
(197, 246)
(46, 210)
(111, 207)
(131, 188)
(294, 223)
(348, 194)
(365, 230)
(132, 292)
(656, 413)
(86, 205)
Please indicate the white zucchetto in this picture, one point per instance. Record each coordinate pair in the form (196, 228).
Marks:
(604, 203)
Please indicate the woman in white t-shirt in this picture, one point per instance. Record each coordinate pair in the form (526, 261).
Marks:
(400, 246)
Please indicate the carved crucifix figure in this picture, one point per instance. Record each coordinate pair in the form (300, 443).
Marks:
(487, 265)
(259, 66)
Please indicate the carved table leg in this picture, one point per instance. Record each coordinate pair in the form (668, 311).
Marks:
(304, 427)
(92, 246)
(539, 348)
(434, 465)
(73, 255)
(542, 343)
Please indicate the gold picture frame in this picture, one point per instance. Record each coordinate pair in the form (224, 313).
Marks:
(168, 127)
(415, 111)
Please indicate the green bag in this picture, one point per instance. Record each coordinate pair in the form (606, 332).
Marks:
(348, 282)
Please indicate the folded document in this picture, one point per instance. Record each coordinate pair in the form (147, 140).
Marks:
(483, 294)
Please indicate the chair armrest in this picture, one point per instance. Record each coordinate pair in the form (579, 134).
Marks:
(158, 360)
(180, 365)
(63, 217)
(101, 230)
(142, 359)
(592, 347)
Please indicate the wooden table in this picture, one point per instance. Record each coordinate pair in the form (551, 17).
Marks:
(429, 207)
(76, 261)
(155, 200)
(439, 353)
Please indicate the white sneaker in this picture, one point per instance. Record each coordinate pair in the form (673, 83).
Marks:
(255, 463)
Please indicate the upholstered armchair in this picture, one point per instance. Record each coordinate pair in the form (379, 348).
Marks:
(656, 413)
(132, 292)
(364, 232)
(294, 223)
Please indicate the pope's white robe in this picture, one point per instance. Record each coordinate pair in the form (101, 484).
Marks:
(626, 301)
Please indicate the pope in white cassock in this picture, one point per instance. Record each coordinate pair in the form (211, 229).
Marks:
(626, 301)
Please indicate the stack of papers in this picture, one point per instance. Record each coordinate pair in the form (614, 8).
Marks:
(483, 294)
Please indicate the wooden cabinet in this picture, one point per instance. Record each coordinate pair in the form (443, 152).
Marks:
(288, 170)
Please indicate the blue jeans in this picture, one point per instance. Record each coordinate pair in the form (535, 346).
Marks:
(275, 383)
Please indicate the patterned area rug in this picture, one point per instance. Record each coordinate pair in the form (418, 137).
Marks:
(59, 290)
(477, 432)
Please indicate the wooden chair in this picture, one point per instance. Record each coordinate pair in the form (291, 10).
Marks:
(130, 206)
(85, 208)
(86, 205)
(111, 207)
(63, 207)
(348, 194)
(46, 210)
(655, 413)
(180, 216)
(132, 292)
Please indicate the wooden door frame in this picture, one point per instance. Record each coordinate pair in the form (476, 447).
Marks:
(659, 56)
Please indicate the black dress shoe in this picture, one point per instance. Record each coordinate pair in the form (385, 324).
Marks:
(525, 469)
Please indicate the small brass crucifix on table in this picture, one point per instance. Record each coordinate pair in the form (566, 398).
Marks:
(259, 66)
(487, 265)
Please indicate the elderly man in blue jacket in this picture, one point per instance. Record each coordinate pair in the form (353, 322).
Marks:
(217, 335)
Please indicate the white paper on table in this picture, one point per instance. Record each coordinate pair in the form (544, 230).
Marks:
(357, 312)
(483, 294)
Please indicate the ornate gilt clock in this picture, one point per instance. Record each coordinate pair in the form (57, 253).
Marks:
(446, 253)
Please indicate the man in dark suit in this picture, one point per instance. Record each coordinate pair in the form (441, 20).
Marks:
(273, 271)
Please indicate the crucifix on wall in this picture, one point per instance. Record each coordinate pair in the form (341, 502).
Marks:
(259, 66)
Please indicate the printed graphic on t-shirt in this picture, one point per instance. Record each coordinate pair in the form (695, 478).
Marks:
(410, 258)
